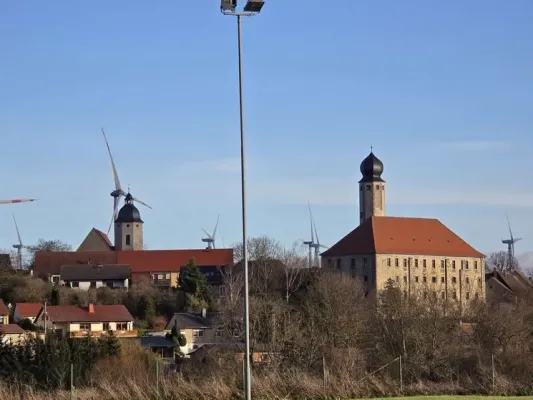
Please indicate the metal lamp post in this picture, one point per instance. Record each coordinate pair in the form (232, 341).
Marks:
(252, 7)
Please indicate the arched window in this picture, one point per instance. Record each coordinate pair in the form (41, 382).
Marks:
(128, 240)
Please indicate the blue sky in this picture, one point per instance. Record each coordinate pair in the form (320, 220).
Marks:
(441, 89)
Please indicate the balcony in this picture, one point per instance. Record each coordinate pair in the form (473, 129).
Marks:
(82, 334)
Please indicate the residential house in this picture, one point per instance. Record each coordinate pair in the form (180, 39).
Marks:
(158, 344)
(94, 320)
(507, 287)
(420, 255)
(84, 276)
(28, 311)
(198, 329)
(11, 333)
(4, 313)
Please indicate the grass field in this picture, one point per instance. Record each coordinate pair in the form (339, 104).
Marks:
(459, 398)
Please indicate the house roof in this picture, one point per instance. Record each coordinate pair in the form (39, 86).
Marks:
(104, 237)
(402, 235)
(107, 313)
(28, 309)
(96, 240)
(10, 329)
(156, 342)
(191, 321)
(140, 261)
(3, 308)
(83, 272)
(515, 281)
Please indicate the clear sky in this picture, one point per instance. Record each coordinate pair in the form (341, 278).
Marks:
(442, 90)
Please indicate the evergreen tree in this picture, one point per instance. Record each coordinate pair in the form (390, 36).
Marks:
(112, 345)
(55, 297)
(194, 284)
(147, 308)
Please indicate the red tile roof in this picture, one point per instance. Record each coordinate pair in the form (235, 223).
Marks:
(108, 313)
(104, 237)
(10, 329)
(143, 261)
(3, 309)
(402, 235)
(28, 309)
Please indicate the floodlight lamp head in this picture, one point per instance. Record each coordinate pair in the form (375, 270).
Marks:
(254, 6)
(228, 5)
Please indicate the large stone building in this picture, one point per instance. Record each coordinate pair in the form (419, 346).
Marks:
(420, 255)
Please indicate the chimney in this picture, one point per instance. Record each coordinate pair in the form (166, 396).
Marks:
(204, 312)
(91, 308)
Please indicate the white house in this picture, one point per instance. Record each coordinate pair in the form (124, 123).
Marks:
(85, 276)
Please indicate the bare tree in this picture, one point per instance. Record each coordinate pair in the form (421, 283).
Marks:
(293, 265)
(47, 245)
(500, 261)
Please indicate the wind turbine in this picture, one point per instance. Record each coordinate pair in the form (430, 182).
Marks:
(17, 201)
(19, 246)
(316, 246)
(510, 242)
(210, 239)
(118, 192)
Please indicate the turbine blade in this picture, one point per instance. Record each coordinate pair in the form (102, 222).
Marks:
(115, 173)
(216, 226)
(17, 228)
(208, 235)
(509, 224)
(16, 201)
(311, 222)
(141, 202)
(116, 205)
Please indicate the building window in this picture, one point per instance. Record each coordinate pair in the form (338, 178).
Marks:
(467, 280)
(466, 264)
(75, 284)
(454, 295)
(368, 187)
(405, 262)
(479, 282)
(467, 295)
(475, 264)
(339, 263)
(122, 326)
(85, 327)
(365, 278)
(361, 215)
(365, 262)
(442, 263)
(416, 262)
(93, 285)
(454, 279)
(404, 279)
(424, 263)
(434, 279)
(416, 278)
(352, 263)
(453, 264)
(425, 279)
(106, 326)
(396, 262)
(377, 187)
(442, 279)
(388, 262)
(128, 240)
(433, 263)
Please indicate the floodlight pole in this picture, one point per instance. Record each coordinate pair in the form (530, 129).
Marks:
(247, 358)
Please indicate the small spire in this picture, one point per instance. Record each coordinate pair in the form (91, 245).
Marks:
(128, 187)
(371, 148)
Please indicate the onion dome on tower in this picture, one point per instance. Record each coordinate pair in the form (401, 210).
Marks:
(371, 169)
(128, 212)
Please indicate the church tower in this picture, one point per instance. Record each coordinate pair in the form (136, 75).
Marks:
(371, 189)
(129, 227)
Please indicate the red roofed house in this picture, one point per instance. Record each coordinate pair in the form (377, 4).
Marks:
(4, 313)
(11, 333)
(77, 321)
(161, 266)
(26, 311)
(418, 254)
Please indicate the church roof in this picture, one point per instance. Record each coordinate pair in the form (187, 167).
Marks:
(402, 235)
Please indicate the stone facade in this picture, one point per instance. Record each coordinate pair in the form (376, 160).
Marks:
(371, 200)
(129, 236)
(452, 278)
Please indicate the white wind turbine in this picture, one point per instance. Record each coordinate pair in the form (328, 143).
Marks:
(19, 246)
(210, 239)
(314, 245)
(118, 192)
